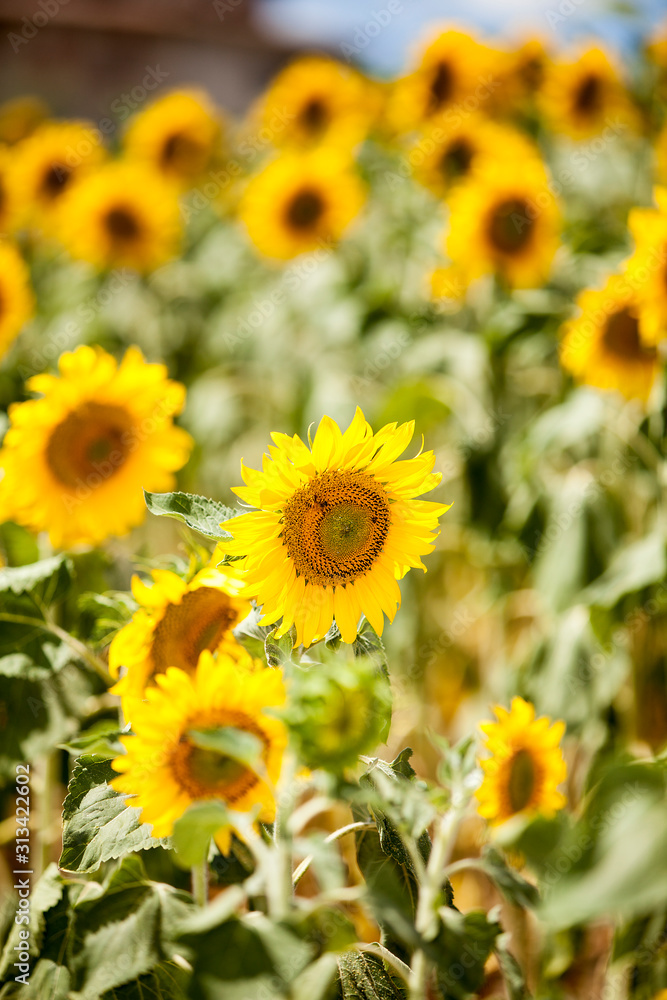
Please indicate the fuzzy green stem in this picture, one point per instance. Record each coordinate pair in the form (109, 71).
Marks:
(45, 795)
(199, 874)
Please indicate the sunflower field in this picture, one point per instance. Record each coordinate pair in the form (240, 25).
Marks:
(333, 543)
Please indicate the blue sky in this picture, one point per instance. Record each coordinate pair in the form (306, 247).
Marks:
(338, 23)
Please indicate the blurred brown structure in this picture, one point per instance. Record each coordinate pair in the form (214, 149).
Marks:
(92, 57)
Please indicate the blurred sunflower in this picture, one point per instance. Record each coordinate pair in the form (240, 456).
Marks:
(300, 202)
(526, 765)
(317, 99)
(179, 134)
(647, 268)
(174, 623)
(528, 67)
(583, 97)
(446, 153)
(123, 215)
(7, 200)
(45, 164)
(172, 759)
(19, 117)
(75, 461)
(337, 525)
(603, 346)
(16, 298)
(504, 221)
(452, 67)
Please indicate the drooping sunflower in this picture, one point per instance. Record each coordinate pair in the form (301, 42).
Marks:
(504, 221)
(603, 346)
(179, 134)
(318, 99)
(583, 97)
(337, 525)
(16, 297)
(174, 623)
(75, 461)
(19, 117)
(170, 763)
(526, 765)
(446, 152)
(45, 164)
(647, 268)
(301, 201)
(123, 215)
(453, 72)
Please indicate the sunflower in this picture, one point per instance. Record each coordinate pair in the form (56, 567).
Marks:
(7, 200)
(448, 152)
(75, 460)
(19, 117)
(603, 345)
(301, 201)
(44, 166)
(526, 765)
(528, 67)
(16, 298)
(647, 268)
(317, 99)
(174, 623)
(504, 221)
(337, 525)
(583, 97)
(453, 72)
(179, 134)
(170, 762)
(123, 215)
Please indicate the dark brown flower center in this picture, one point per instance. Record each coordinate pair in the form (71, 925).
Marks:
(621, 336)
(305, 209)
(588, 96)
(531, 72)
(442, 86)
(122, 225)
(510, 226)
(90, 445)
(199, 622)
(183, 154)
(457, 159)
(54, 181)
(335, 527)
(522, 778)
(315, 115)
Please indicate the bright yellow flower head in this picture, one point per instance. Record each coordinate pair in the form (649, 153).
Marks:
(176, 621)
(301, 202)
(44, 166)
(455, 74)
(75, 461)
(583, 97)
(123, 215)
(166, 767)
(179, 134)
(603, 347)
(337, 525)
(8, 206)
(504, 220)
(16, 298)
(647, 268)
(446, 153)
(318, 100)
(526, 765)
(19, 117)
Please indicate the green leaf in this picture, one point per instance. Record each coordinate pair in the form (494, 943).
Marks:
(363, 977)
(43, 897)
(97, 825)
(511, 970)
(228, 741)
(278, 651)
(633, 568)
(18, 544)
(20, 579)
(509, 883)
(368, 643)
(100, 739)
(461, 949)
(199, 513)
(195, 828)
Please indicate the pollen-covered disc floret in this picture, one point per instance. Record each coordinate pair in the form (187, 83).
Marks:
(526, 765)
(337, 525)
(175, 622)
(169, 762)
